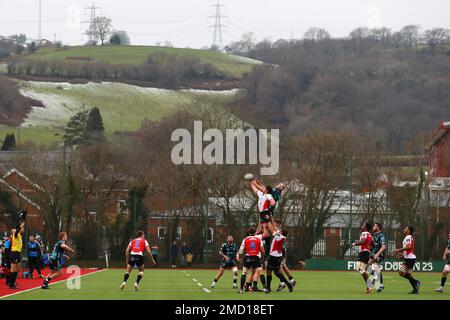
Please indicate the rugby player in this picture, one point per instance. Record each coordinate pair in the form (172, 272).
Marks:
(446, 258)
(265, 202)
(276, 256)
(365, 244)
(276, 194)
(228, 253)
(55, 258)
(377, 254)
(135, 258)
(254, 249)
(16, 249)
(406, 268)
(6, 263)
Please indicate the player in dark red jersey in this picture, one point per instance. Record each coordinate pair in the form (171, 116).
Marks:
(254, 249)
(276, 256)
(365, 243)
(135, 258)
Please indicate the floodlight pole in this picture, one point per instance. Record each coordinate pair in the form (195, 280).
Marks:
(350, 171)
(206, 214)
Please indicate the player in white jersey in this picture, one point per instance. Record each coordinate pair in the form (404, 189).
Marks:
(265, 202)
(276, 256)
(407, 250)
(135, 258)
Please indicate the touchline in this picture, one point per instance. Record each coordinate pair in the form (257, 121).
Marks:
(238, 143)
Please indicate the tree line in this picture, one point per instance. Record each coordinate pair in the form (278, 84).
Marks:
(168, 70)
(314, 166)
(392, 86)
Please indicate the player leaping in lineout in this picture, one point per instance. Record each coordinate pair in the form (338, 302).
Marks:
(276, 195)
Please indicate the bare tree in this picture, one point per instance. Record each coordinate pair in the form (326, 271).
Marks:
(410, 35)
(318, 171)
(437, 36)
(316, 34)
(103, 28)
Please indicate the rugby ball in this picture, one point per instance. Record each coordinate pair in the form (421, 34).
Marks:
(248, 176)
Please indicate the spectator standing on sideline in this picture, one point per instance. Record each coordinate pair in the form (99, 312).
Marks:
(184, 251)
(155, 254)
(34, 256)
(189, 258)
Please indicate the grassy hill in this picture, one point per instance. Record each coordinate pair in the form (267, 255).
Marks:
(230, 64)
(122, 106)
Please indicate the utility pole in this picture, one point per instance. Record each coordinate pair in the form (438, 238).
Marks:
(350, 171)
(134, 213)
(91, 32)
(206, 214)
(217, 42)
(39, 20)
(63, 181)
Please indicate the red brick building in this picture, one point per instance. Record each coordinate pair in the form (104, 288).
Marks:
(439, 152)
(438, 183)
(22, 192)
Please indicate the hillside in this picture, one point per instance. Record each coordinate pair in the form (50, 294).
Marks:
(233, 65)
(122, 106)
(392, 93)
(128, 84)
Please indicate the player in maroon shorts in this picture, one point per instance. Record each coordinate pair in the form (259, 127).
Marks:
(135, 258)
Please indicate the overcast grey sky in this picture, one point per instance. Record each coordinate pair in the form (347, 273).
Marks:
(186, 23)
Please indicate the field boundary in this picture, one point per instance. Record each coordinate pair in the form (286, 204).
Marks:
(59, 281)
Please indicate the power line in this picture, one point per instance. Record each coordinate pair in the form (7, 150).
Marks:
(129, 20)
(40, 21)
(217, 35)
(91, 31)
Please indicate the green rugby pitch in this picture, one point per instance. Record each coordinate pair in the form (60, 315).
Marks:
(194, 284)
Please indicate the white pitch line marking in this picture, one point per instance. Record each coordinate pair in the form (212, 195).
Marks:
(199, 284)
(195, 280)
(206, 290)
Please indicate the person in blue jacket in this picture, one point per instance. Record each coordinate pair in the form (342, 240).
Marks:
(34, 256)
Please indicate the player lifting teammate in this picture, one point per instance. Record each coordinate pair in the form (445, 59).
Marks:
(135, 258)
(254, 249)
(446, 258)
(276, 256)
(406, 268)
(228, 253)
(365, 244)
